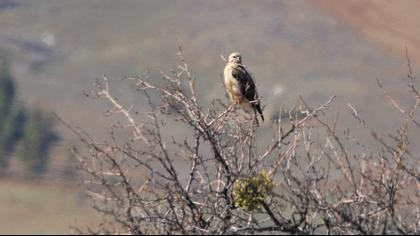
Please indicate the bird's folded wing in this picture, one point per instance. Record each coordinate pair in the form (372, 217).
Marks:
(246, 82)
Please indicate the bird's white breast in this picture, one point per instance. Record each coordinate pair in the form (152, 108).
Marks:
(231, 84)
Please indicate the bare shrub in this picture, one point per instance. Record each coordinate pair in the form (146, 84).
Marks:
(216, 179)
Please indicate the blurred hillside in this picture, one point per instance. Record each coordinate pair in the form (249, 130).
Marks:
(42, 208)
(292, 47)
(310, 48)
(386, 23)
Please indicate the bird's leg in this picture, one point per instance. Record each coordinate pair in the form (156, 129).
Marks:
(235, 106)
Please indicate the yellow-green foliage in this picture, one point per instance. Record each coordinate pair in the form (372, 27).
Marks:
(249, 193)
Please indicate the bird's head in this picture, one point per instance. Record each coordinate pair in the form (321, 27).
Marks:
(235, 57)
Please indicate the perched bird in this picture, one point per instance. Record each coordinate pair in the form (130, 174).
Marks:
(240, 85)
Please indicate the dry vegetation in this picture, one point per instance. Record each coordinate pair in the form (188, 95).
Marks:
(310, 179)
(42, 207)
(389, 24)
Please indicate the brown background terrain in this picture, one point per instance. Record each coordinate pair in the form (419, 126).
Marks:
(310, 48)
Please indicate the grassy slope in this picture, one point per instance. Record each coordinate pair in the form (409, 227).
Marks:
(288, 45)
(391, 24)
(41, 208)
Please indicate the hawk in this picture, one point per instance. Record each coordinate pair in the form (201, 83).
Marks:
(240, 85)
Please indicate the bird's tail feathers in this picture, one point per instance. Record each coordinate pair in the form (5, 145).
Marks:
(258, 107)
